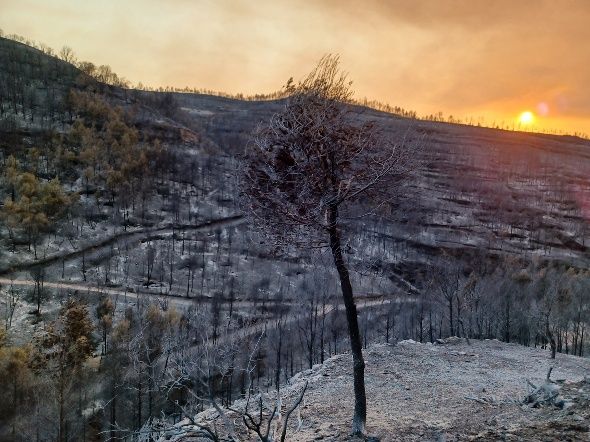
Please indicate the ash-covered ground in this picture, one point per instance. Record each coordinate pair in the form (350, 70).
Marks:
(457, 391)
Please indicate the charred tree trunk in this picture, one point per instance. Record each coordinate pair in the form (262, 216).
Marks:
(550, 337)
(113, 419)
(360, 398)
(61, 398)
(451, 328)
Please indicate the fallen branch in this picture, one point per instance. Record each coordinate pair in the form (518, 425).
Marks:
(544, 395)
(291, 410)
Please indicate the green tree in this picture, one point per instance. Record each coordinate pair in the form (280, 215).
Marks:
(11, 173)
(36, 206)
(104, 313)
(61, 350)
(17, 380)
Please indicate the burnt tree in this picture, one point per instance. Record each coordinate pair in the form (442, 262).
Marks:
(313, 165)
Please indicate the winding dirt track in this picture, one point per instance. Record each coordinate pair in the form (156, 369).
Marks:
(225, 338)
(262, 327)
(98, 247)
(129, 237)
(92, 289)
(179, 301)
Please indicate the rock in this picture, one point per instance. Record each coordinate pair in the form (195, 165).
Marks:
(452, 340)
(407, 341)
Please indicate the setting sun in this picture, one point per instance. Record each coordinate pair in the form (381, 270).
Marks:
(526, 117)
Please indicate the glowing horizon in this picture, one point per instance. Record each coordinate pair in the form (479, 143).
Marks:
(476, 61)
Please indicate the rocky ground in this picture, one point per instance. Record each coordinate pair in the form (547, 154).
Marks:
(455, 391)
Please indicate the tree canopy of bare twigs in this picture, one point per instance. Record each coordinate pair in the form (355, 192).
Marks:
(318, 154)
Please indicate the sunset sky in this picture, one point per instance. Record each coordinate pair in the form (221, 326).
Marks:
(491, 58)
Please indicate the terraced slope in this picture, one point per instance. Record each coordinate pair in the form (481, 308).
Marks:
(477, 188)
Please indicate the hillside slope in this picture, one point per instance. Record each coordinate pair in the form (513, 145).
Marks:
(457, 391)
(477, 192)
(507, 192)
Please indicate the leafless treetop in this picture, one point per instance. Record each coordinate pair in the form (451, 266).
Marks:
(315, 154)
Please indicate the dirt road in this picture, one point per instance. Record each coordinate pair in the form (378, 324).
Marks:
(128, 238)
